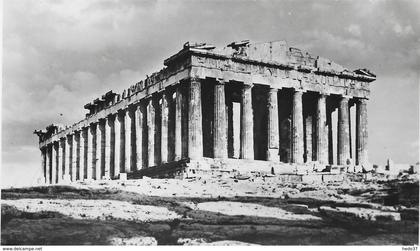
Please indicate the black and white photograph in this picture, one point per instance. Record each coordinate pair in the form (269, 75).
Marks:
(210, 123)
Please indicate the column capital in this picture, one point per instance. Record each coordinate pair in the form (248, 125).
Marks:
(116, 115)
(195, 79)
(346, 97)
(248, 85)
(299, 90)
(221, 81)
(362, 100)
(274, 89)
(323, 94)
(138, 106)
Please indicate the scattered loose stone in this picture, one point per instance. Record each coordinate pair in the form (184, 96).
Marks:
(351, 213)
(134, 241)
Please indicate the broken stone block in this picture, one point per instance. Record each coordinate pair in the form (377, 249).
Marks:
(352, 213)
(134, 241)
(367, 167)
(332, 178)
(312, 178)
(358, 169)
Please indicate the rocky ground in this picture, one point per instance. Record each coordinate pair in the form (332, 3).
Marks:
(229, 211)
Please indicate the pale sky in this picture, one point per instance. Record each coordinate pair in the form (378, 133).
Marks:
(60, 55)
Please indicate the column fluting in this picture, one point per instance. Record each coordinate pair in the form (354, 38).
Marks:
(220, 121)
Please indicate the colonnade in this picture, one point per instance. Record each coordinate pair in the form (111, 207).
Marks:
(168, 126)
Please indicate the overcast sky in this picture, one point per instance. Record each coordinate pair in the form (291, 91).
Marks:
(60, 55)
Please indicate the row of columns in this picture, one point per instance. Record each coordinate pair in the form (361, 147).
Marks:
(323, 128)
(116, 143)
(108, 145)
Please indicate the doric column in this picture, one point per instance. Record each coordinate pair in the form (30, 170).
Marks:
(330, 137)
(165, 128)
(43, 165)
(98, 150)
(220, 121)
(68, 162)
(61, 159)
(247, 124)
(308, 138)
(83, 153)
(232, 150)
(195, 129)
(150, 133)
(321, 131)
(361, 132)
(118, 127)
(127, 135)
(54, 162)
(139, 136)
(297, 128)
(90, 136)
(178, 122)
(343, 143)
(273, 126)
(106, 139)
(48, 166)
(74, 155)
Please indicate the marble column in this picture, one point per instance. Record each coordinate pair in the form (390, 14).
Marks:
(68, 162)
(54, 162)
(106, 144)
(273, 126)
(297, 128)
(361, 132)
(118, 127)
(343, 141)
(127, 135)
(247, 124)
(83, 153)
(98, 150)
(90, 137)
(164, 128)
(48, 164)
(321, 131)
(330, 137)
(74, 155)
(61, 159)
(195, 129)
(150, 133)
(220, 121)
(178, 122)
(138, 118)
(308, 138)
(43, 165)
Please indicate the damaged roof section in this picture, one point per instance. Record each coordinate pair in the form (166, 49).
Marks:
(274, 52)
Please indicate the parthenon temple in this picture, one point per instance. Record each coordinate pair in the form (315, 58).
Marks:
(247, 107)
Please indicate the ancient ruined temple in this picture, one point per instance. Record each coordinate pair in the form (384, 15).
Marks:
(247, 108)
